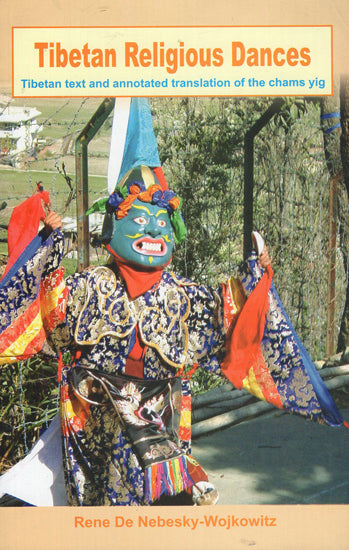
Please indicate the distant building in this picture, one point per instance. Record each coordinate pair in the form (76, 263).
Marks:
(18, 129)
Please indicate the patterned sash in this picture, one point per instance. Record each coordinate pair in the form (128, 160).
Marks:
(150, 413)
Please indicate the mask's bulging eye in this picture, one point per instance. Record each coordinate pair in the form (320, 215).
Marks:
(141, 220)
(161, 223)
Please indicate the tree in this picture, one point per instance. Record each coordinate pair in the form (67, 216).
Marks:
(201, 149)
(336, 148)
(343, 340)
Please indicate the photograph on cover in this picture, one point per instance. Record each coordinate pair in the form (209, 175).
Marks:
(173, 283)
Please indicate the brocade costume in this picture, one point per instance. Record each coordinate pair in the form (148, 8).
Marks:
(180, 324)
(126, 440)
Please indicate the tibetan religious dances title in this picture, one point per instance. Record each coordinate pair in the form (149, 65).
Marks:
(172, 61)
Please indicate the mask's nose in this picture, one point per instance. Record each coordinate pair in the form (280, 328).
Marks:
(153, 229)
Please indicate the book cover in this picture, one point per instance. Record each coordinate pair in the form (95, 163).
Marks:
(141, 49)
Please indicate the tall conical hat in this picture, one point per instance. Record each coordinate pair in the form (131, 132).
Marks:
(133, 141)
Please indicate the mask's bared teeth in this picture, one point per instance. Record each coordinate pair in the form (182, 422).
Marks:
(148, 246)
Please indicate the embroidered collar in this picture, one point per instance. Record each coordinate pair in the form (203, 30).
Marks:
(161, 315)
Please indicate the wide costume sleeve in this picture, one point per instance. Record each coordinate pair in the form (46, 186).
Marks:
(251, 337)
(33, 299)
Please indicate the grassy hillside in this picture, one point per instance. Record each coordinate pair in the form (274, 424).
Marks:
(62, 120)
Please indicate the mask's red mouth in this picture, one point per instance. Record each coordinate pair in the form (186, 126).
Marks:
(150, 247)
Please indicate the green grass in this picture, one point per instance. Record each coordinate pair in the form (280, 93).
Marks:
(59, 113)
(69, 265)
(60, 117)
(24, 182)
(17, 185)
